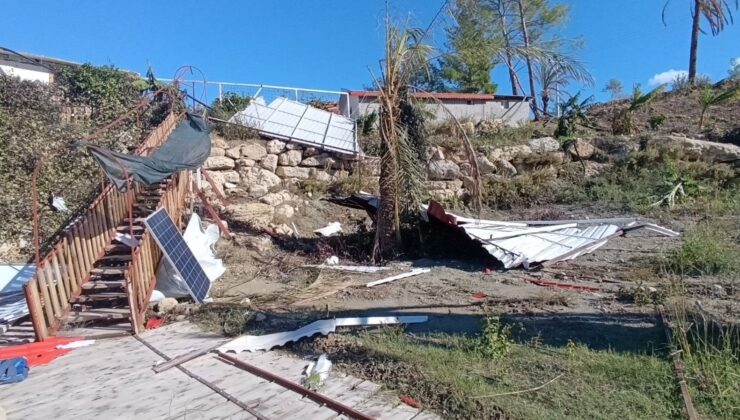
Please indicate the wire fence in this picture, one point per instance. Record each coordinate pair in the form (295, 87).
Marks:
(206, 92)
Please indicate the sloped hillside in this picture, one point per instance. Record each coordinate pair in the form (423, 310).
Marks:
(682, 112)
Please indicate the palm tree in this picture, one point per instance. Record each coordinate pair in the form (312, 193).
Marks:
(573, 113)
(709, 99)
(623, 123)
(401, 173)
(717, 13)
(555, 70)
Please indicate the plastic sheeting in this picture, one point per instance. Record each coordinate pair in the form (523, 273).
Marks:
(187, 147)
(201, 243)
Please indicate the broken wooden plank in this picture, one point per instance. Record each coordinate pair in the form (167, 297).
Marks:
(414, 272)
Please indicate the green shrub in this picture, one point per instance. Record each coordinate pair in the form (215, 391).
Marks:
(656, 121)
(528, 189)
(495, 340)
(706, 250)
(504, 136)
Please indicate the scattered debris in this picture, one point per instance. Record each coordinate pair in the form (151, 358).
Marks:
(323, 327)
(75, 344)
(316, 373)
(39, 353)
(414, 272)
(354, 268)
(575, 287)
(311, 394)
(330, 229)
(58, 203)
(409, 401)
(518, 243)
(361, 201)
(13, 370)
(13, 304)
(333, 260)
(153, 323)
(479, 296)
(166, 305)
(127, 240)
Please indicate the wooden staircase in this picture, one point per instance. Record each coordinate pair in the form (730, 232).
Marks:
(105, 297)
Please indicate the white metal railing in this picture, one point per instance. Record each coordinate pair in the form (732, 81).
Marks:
(206, 91)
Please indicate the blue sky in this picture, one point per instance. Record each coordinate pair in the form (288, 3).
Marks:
(330, 44)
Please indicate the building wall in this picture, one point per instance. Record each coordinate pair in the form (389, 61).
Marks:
(513, 113)
(26, 71)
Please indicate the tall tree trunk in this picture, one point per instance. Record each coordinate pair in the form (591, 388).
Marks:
(545, 102)
(695, 29)
(503, 13)
(530, 70)
(385, 227)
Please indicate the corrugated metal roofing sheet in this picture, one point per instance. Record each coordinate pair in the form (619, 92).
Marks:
(294, 121)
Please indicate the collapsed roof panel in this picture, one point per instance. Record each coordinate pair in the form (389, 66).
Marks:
(294, 121)
(519, 243)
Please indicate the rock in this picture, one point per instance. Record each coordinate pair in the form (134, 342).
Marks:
(218, 178)
(219, 142)
(270, 162)
(230, 176)
(219, 162)
(322, 176)
(595, 168)
(258, 215)
(468, 127)
(217, 151)
(485, 166)
(466, 168)
(504, 168)
(166, 305)
(234, 152)
(293, 146)
(180, 318)
(510, 152)
(290, 158)
(445, 194)
(257, 191)
(445, 185)
(267, 178)
(310, 151)
(468, 183)
(313, 161)
(443, 170)
(277, 198)
(701, 149)
(229, 185)
(293, 172)
(284, 211)
(245, 163)
(275, 147)
(544, 145)
(436, 153)
(489, 126)
(582, 148)
(253, 151)
(370, 167)
(260, 243)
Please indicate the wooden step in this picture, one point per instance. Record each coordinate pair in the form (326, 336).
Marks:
(109, 271)
(114, 258)
(96, 286)
(117, 248)
(99, 296)
(99, 314)
(127, 228)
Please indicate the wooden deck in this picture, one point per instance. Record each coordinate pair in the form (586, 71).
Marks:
(113, 378)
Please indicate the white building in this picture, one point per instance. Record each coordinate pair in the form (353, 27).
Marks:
(513, 110)
(31, 67)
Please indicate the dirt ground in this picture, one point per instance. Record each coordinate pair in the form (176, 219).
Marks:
(272, 275)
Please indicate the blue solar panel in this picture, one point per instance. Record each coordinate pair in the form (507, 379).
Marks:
(178, 254)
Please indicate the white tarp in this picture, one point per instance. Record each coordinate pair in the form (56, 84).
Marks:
(294, 121)
(201, 243)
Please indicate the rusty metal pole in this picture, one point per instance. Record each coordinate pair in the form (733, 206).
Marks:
(36, 215)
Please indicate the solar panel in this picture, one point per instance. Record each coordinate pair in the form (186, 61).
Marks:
(176, 251)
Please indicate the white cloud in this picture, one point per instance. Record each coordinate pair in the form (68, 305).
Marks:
(666, 77)
(736, 62)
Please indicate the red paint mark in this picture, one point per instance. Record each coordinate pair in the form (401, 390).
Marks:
(565, 286)
(39, 353)
(479, 295)
(410, 401)
(487, 271)
(153, 323)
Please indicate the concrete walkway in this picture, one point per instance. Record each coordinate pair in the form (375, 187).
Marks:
(113, 379)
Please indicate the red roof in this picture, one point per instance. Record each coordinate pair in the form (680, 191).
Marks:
(428, 95)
